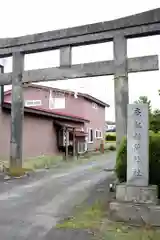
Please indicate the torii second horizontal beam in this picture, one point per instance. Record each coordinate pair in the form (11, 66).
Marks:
(94, 69)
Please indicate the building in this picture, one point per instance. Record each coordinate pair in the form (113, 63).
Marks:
(52, 117)
(109, 126)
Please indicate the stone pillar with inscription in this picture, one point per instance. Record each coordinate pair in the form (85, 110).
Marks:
(137, 145)
(136, 188)
(136, 200)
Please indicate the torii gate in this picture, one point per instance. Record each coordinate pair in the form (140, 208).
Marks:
(118, 31)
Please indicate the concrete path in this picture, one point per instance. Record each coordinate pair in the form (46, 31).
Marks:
(30, 208)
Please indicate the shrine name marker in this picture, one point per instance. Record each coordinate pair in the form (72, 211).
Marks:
(137, 145)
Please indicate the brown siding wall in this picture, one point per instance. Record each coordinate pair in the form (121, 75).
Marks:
(39, 137)
(4, 135)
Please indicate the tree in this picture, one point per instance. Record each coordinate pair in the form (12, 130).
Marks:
(144, 100)
(154, 116)
(155, 121)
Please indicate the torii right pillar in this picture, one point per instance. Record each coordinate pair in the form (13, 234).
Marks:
(121, 89)
(136, 201)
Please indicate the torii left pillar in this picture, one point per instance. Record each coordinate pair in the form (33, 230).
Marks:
(1, 87)
(1, 95)
(17, 112)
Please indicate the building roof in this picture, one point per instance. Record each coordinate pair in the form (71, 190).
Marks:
(49, 113)
(85, 95)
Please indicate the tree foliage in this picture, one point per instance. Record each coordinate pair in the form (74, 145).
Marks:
(154, 116)
(155, 121)
(154, 163)
(144, 100)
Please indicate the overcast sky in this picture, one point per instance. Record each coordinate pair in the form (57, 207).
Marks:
(32, 16)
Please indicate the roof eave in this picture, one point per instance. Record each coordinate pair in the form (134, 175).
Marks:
(44, 113)
(89, 97)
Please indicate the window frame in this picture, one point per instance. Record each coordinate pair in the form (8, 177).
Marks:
(94, 105)
(96, 133)
(99, 134)
(89, 131)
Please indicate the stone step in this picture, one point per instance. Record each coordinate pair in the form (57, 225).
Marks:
(137, 194)
(137, 214)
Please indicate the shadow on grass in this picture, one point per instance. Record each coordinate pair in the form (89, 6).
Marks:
(85, 218)
(95, 219)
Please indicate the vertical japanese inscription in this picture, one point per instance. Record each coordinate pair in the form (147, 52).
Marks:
(137, 144)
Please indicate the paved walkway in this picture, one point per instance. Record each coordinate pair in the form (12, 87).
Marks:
(30, 208)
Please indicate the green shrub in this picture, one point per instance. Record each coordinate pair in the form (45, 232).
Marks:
(154, 160)
(110, 137)
(121, 161)
(112, 148)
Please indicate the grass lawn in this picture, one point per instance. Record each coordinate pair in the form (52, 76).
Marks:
(37, 162)
(42, 162)
(94, 219)
(57, 161)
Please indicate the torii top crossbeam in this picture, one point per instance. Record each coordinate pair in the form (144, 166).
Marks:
(142, 24)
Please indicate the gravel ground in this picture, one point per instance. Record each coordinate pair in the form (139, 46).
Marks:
(30, 208)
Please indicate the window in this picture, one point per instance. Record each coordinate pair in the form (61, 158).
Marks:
(94, 105)
(57, 103)
(33, 103)
(51, 101)
(90, 135)
(98, 134)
